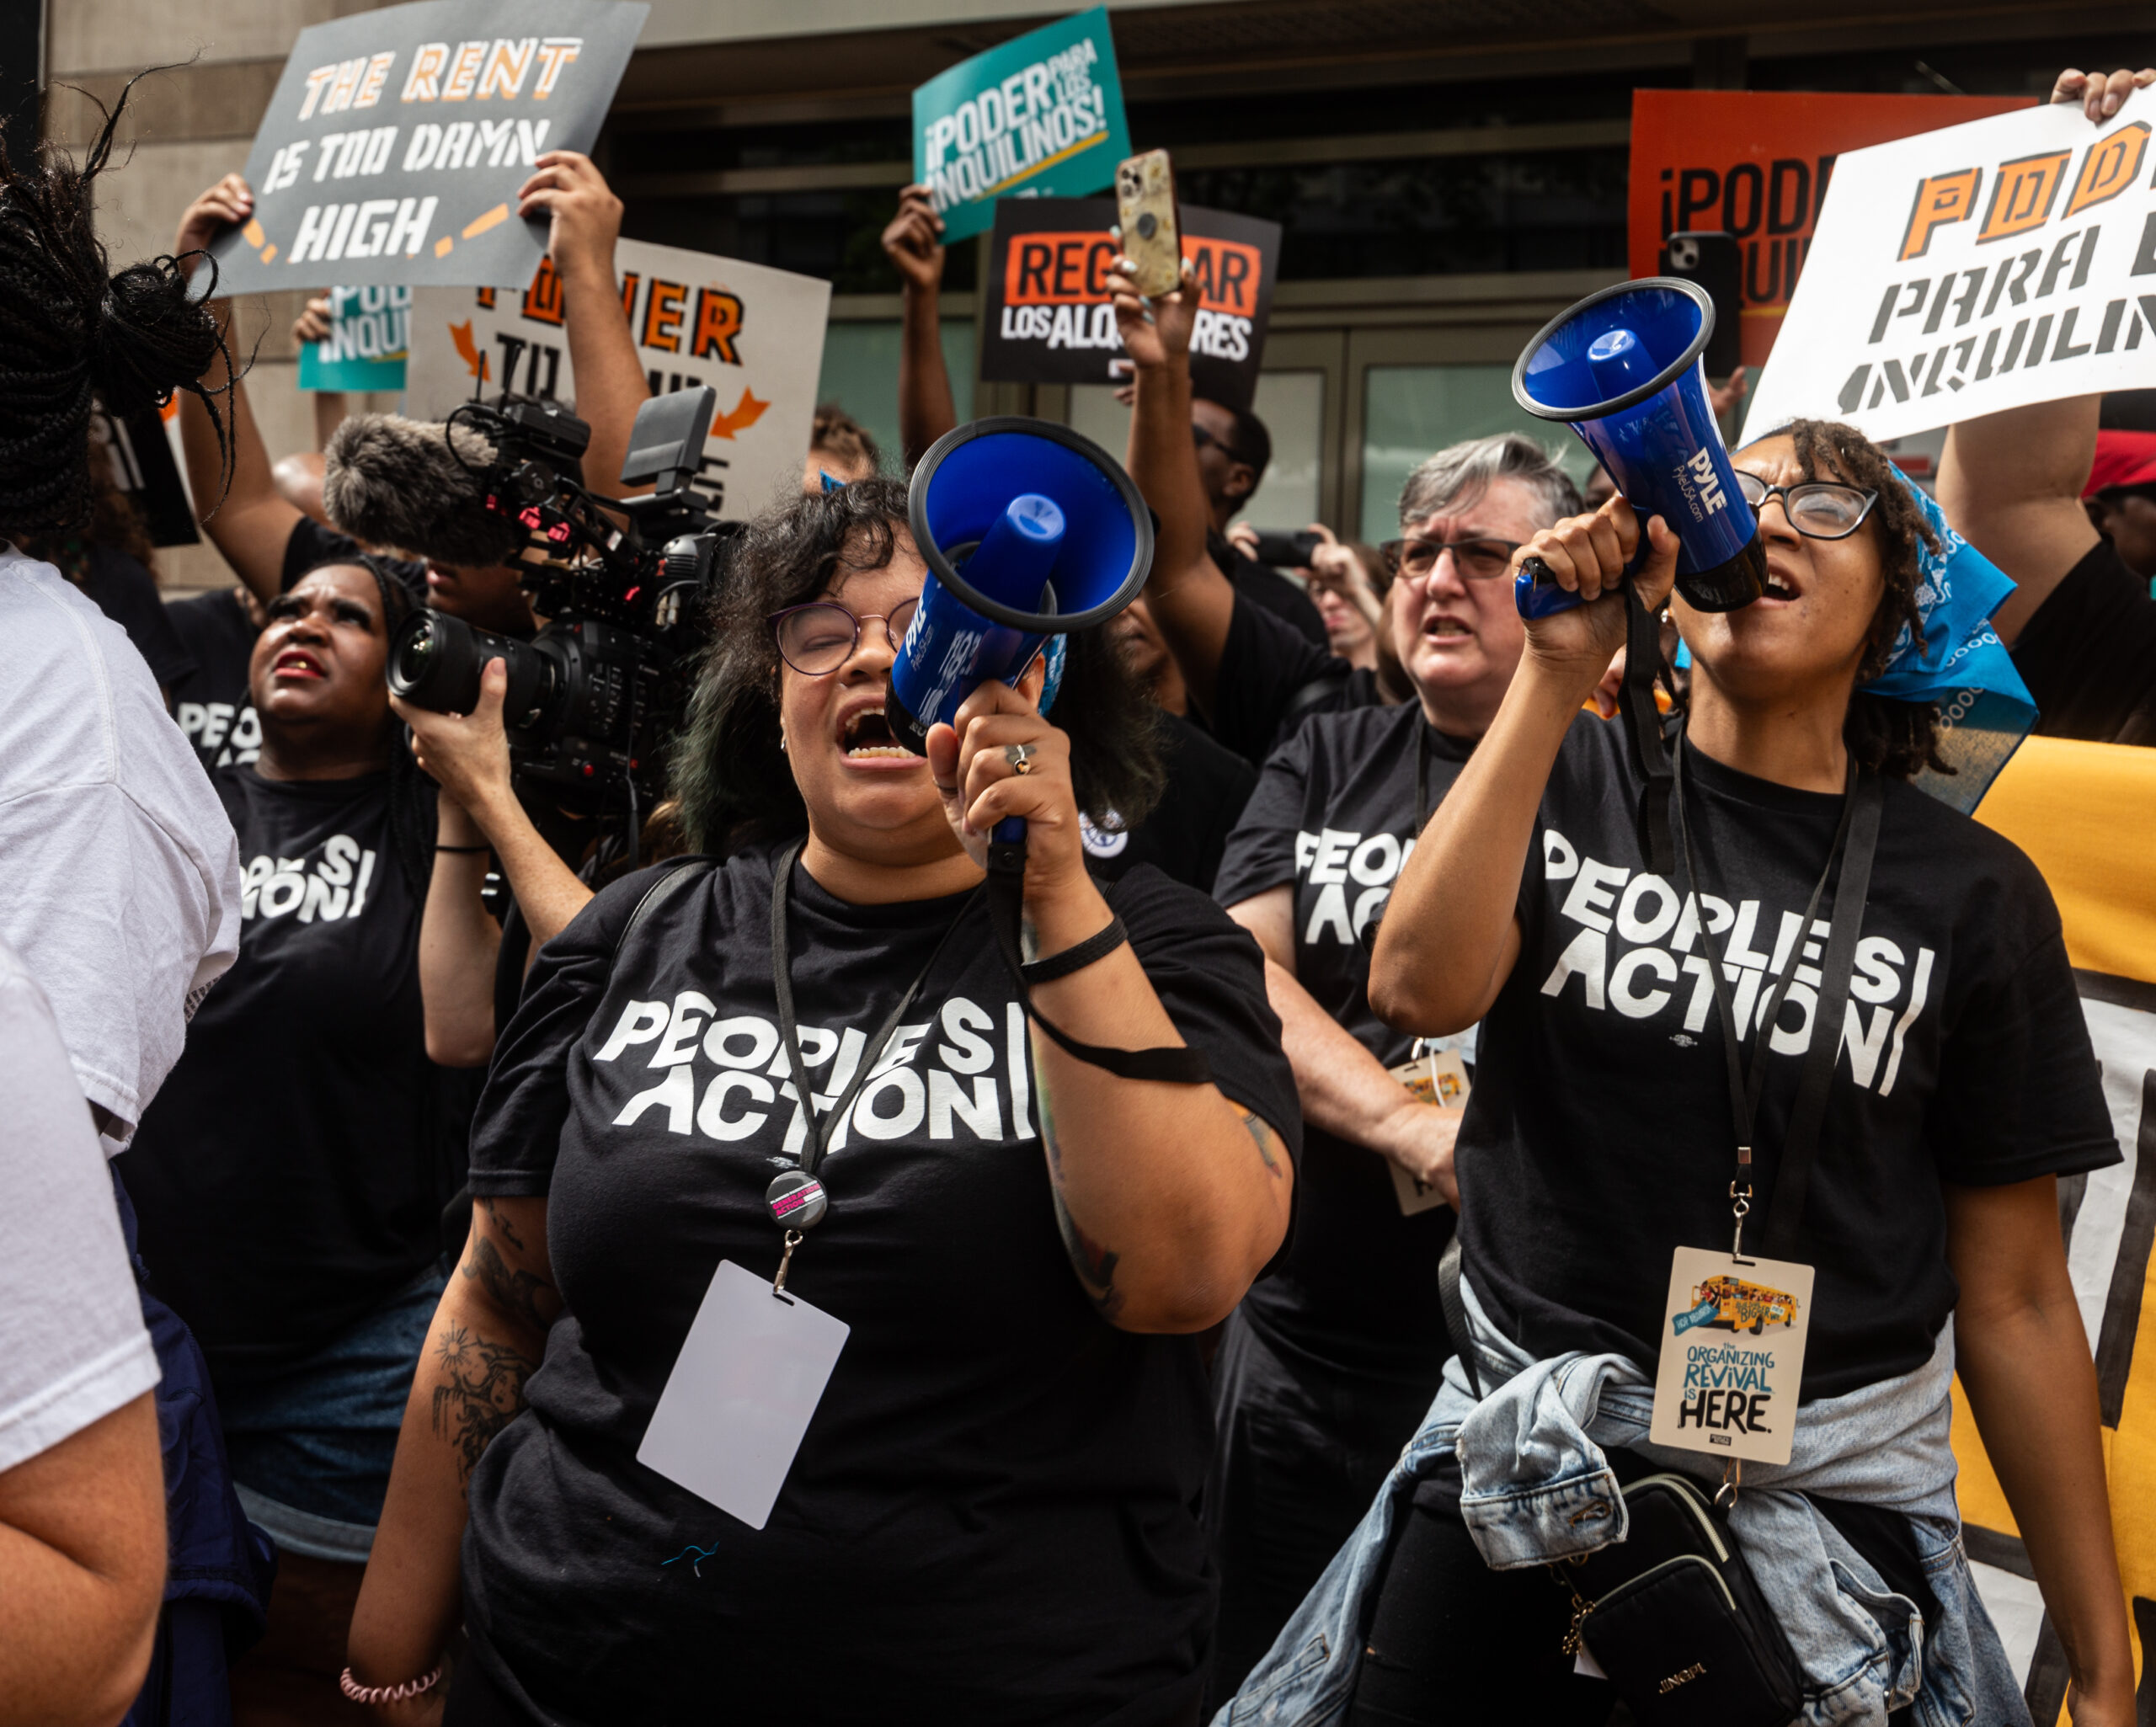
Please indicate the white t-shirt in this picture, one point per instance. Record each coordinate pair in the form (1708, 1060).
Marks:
(72, 1345)
(119, 870)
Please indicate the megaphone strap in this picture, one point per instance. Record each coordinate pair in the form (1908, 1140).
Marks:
(1643, 724)
(1076, 956)
(1168, 1065)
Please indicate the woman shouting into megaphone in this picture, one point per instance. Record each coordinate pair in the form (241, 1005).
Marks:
(870, 1387)
(1691, 1249)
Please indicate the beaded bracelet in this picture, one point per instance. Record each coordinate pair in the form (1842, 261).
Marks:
(410, 1688)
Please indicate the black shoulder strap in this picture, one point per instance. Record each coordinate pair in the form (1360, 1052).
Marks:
(1801, 1144)
(1456, 1326)
(1642, 723)
(684, 870)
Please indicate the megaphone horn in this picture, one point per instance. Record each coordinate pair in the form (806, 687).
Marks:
(1029, 531)
(1623, 369)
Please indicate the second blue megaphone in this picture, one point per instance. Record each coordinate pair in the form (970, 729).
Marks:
(1029, 531)
(1623, 369)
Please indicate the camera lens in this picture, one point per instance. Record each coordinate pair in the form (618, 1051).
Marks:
(434, 661)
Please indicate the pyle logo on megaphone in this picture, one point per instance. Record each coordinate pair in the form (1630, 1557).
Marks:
(1712, 498)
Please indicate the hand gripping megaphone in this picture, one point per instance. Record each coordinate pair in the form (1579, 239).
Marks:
(1029, 531)
(1623, 369)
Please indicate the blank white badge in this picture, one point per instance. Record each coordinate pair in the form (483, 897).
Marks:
(742, 1390)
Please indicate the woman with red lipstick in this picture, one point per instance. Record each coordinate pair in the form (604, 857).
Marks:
(289, 1176)
(989, 1514)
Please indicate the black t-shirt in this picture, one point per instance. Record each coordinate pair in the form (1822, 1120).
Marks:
(288, 1174)
(1182, 838)
(1271, 679)
(992, 1516)
(1334, 817)
(128, 595)
(310, 545)
(1599, 1138)
(1265, 586)
(212, 703)
(2088, 655)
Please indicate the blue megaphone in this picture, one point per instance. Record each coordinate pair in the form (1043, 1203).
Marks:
(1623, 369)
(1029, 531)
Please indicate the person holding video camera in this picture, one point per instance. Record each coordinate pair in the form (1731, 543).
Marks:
(290, 1175)
(1915, 1171)
(1023, 1243)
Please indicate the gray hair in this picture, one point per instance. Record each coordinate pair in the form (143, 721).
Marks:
(1460, 473)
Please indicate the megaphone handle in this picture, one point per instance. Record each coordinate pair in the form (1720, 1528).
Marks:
(1536, 593)
(1010, 831)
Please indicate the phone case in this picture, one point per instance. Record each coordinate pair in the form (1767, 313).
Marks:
(1145, 207)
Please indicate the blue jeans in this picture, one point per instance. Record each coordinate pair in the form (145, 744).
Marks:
(311, 1447)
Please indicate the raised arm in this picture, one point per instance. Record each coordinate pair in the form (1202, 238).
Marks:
(1190, 599)
(2011, 484)
(926, 410)
(1170, 1198)
(488, 1334)
(2023, 1358)
(248, 520)
(1450, 933)
(1346, 1090)
(611, 385)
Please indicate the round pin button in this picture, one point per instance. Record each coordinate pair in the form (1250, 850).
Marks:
(796, 1200)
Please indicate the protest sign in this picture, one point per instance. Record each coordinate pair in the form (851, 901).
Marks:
(145, 467)
(396, 141)
(1756, 165)
(365, 348)
(1984, 267)
(756, 335)
(1041, 116)
(2082, 813)
(1049, 321)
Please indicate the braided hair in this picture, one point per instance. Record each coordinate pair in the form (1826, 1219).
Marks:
(71, 330)
(412, 817)
(1897, 738)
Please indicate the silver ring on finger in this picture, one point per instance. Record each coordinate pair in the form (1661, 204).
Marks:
(1021, 758)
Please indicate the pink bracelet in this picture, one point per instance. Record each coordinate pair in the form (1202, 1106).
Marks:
(410, 1688)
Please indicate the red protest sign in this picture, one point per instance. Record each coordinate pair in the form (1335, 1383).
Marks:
(1756, 164)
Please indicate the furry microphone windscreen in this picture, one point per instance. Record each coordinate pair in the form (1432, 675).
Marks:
(395, 483)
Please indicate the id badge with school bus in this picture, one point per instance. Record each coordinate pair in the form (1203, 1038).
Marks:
(1438, 1078)
(1732, 1355)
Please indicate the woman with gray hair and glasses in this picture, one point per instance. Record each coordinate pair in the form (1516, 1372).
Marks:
(1327, 1366)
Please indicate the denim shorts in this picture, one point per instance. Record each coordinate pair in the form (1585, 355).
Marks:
(311, 1447)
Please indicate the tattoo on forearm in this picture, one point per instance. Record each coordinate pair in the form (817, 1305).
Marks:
(1269, 1142)
(502, 1226)
(1094, 1264)
(515, 1293)
(480, 1392)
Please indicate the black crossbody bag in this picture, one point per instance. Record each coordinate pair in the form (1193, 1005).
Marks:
(1671, 1614)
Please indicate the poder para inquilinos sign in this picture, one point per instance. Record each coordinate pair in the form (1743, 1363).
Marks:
(754, 334)
(392, 149)
(369, 329)
(1040, 116)
(1979, 268)
(1051, 320)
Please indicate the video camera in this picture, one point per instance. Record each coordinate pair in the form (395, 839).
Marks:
(593, 698)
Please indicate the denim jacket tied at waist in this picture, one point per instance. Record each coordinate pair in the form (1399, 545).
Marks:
(1537, 1487)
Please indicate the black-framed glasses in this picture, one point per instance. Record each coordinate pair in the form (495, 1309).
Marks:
(1819, 510)
(1476, 560)
(818, 638)
(1205, 441)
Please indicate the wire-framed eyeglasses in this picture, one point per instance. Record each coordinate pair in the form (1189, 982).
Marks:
(1476, 560)
(1819, 510)
(818, 638)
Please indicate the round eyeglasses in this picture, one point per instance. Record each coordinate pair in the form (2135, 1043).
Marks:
(1476, 560)
(1819, 510)
(818, 638)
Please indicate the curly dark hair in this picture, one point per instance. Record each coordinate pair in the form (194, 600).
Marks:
(733, 783)
(71, 330)
(1897, 738)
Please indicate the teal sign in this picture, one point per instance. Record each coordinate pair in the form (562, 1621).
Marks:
(369, 328)
(1041, 116)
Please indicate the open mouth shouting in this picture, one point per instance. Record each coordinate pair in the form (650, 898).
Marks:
(865, 735)
(1780, 585)
(296, 662)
